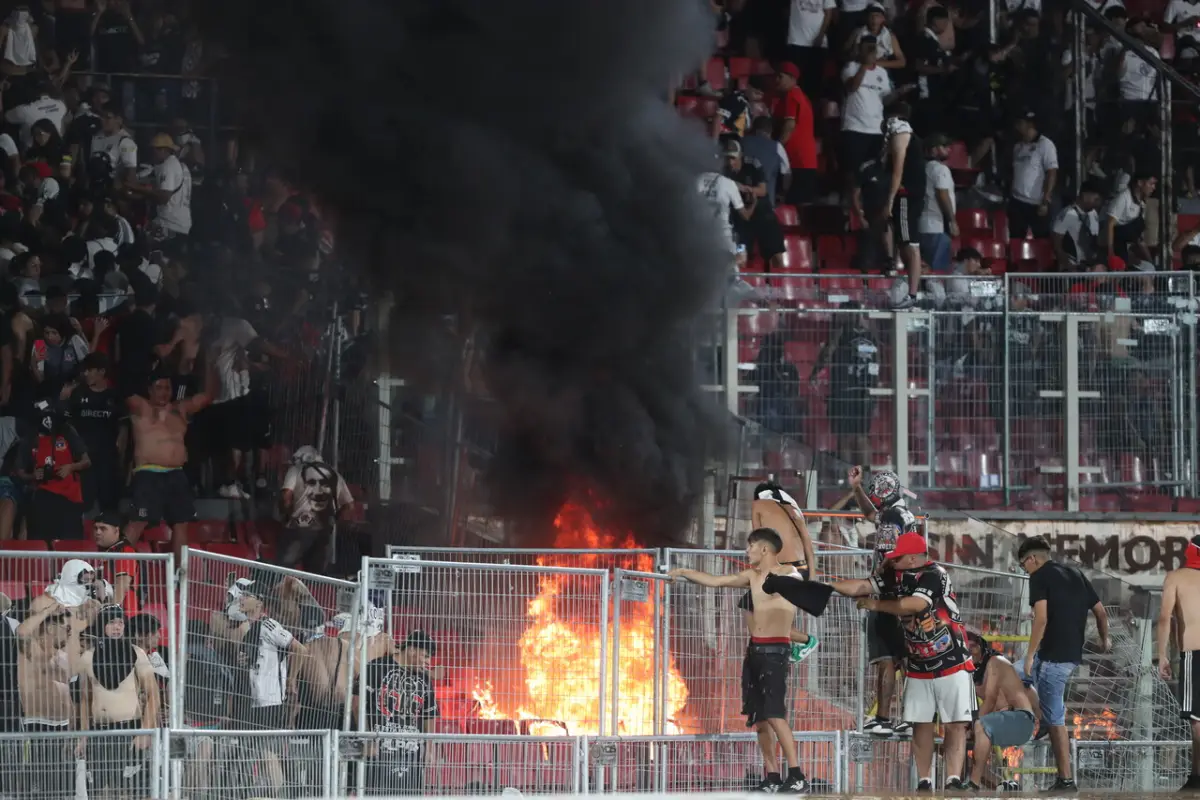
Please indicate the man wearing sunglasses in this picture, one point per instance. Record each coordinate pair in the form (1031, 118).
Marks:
(1061, 597)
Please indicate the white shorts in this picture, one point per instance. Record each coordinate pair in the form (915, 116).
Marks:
(950, 697)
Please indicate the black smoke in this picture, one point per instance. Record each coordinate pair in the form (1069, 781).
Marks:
(514, 163)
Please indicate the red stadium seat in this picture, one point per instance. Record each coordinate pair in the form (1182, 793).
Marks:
(23, 545)
(760, 323)
(687, 104)
(959, 163)
(988, 248)
(793, 290)
(1040, 251)
(973, 222)
(797, 254)
(788, 216)
(1189, 505)
(741, 67)
(715, 74)
(75, 545)
(1151, 503)
(235, 549)
(208, 530)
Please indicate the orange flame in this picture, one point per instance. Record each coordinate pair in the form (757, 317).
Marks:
(560, 655)
(1103, 726)
(1012, 756)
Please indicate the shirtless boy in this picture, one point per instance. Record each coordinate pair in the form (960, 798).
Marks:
(1181, 602)
(775, 509)
(765, 667)
(160, 488)
(1010, 708)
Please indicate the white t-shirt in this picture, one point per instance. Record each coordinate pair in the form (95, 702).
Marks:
(1138, 77)
(724, 198)
(1089, 80)
(1178, 10)
(45, 107)
(120, 148)
(8, 146)
(1031, 161)
(883, 41)
(805, 21)
(96, 245)
(937, 176)
(232, 339)
(269, 674)
(175, 214)
(314, 488)
(863, 112)
(1081, 228)
(1123, 208)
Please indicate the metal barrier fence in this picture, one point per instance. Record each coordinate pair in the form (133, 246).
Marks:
(707, 637)
(729, 762)
(224, 764)
(521, 647)
(827, 384)
(39, 763)
(254, 648)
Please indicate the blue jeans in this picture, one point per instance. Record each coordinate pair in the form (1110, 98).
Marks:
(1050, 678)
(1008, 728)
(935, 251)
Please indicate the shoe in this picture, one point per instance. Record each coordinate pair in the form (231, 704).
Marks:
(769, 785)
(956, 785)
(1009, 786)
(925, 786)
(803, 651)
(233, 491)
(1062, 785)
(908, 301)
(794, 786)
(970, 786)
(879, 727)
(902, 729)
(1192, 785)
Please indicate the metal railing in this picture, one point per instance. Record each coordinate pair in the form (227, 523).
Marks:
(1050, 388)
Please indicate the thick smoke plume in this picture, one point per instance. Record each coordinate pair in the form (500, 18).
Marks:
(514, 162)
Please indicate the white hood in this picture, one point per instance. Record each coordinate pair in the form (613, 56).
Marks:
(67, 589)
(781, 497)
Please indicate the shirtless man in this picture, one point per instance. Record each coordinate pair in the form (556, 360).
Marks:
(765, 668)
(1181, 602)
(118, 691)
(45, 667)
(776, 509)
(1010, 708)
(160, 488)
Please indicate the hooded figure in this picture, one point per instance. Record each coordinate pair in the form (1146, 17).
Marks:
(19, 46)
(74, 585)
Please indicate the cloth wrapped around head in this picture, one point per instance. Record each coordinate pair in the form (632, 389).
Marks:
(773, 491)
(73, 586)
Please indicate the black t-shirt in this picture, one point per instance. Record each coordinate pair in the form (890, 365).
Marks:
(116, 49)
(1069, 596)
(752, 175)
(912, 174)
(855, 364)
(399, 700)
(935, 639)
(929, 52)
(97, 417)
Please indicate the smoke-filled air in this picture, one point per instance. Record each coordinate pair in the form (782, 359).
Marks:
(516, 164)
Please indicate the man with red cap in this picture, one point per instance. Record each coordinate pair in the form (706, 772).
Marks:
(938, 662)
(793, 115)
(1181, 601)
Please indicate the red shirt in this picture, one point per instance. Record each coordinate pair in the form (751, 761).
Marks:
(801, 146)
(127, 566)
(56, 451)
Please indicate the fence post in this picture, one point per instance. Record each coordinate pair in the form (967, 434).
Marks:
(618, 594)
(179, 666)
(862, 671)
(604, 634)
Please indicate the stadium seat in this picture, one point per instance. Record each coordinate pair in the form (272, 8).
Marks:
(793, 290)
(988, 248)
(973, 223)
(208, 530)
(74, 545)
(1150, 503)
(687, 104)
(235, 549)
(741, 67)
(788, 216)
(959, 163)
(797, 254)
(1188, 505)
(715, 74)
(1040, 251)
(23, 545)
(1100, 502)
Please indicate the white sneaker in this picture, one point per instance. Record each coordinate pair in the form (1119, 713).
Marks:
(233, 491)
(878, 727)
(902, 729)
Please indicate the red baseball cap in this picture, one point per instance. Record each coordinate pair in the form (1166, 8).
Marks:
(788, 68)
(909, 544)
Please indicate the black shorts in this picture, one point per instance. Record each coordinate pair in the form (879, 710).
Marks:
(747, 601)
(851, 415)
(764, 682)
(1189, 685)
(162, 497)
(49, 772)
(52, 516)
(906, 210)
(804, 188)
(114, 762)
(885, 638)
(858, 148)
(305, 548)
(764, 230)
